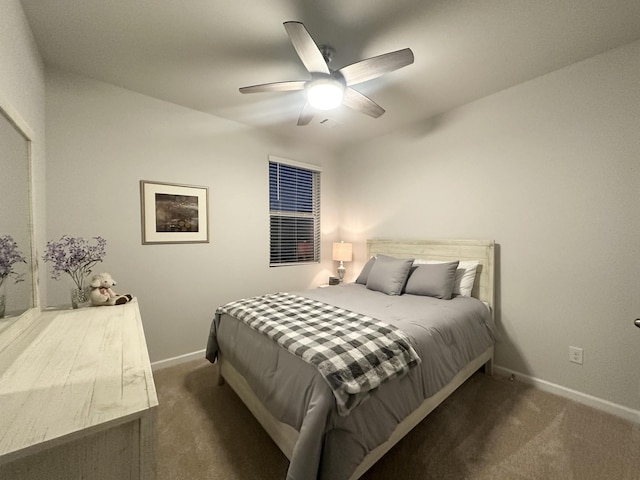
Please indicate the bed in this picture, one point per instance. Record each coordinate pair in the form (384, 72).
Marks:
(326, 438)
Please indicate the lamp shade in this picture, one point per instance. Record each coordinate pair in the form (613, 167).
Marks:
(342, 252)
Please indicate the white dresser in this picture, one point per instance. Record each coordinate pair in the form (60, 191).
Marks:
(77, 398)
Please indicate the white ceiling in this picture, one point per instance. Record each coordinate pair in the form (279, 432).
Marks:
(197, 53)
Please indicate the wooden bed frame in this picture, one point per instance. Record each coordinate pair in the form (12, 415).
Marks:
(286, 436)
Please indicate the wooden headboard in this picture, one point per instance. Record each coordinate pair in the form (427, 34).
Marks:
(446, 250)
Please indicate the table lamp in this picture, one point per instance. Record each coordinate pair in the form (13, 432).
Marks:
(342, 252)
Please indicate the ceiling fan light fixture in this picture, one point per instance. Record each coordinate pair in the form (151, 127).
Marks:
(325, 94)
(329, 89)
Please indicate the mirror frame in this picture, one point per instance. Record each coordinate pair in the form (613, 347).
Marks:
(23, 128)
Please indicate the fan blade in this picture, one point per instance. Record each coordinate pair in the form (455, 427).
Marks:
(306, 48)
(375, 66)
(305, 115)
(275, 87)
(357, 101)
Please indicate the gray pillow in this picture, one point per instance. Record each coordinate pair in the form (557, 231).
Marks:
(364, 274)
(433, 280)
(389, 275)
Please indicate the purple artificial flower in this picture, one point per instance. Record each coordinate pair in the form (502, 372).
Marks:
(10, 255)
(74, 256)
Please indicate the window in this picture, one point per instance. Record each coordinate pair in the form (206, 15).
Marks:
(294, 212)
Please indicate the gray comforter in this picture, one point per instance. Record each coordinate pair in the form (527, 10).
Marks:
(446, 334)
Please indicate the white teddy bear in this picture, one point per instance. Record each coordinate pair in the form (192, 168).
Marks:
(102, 294)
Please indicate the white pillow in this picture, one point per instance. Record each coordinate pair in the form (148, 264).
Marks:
(465, 275)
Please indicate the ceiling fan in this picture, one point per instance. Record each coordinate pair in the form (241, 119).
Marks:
(328, 88)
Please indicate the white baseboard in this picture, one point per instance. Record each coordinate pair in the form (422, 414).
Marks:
(589, 400)
(170, 362)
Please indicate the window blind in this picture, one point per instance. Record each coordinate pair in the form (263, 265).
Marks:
(294, 214)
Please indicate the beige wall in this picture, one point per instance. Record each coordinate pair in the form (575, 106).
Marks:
(550, 170)
(22, 88)
(102, 140)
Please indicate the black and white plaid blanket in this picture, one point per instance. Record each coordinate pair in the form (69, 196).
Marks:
(353, 352)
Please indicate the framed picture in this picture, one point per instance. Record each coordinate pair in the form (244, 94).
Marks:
(173, 213)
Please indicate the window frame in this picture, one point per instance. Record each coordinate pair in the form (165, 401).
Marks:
(314, 215)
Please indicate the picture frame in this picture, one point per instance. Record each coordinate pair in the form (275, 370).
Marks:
(174, 213)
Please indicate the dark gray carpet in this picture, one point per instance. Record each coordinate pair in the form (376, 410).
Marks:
(489, 429)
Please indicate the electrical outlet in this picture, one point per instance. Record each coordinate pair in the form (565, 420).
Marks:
(576, 355)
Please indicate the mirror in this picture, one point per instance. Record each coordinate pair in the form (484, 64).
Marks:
(16, 212)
